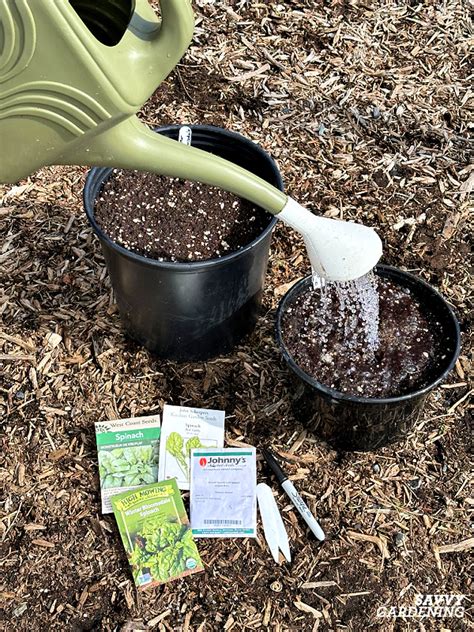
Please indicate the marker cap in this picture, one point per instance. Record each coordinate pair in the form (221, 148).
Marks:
(276, 469)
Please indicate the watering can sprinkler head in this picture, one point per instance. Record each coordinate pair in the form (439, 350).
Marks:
(337, 250)
(73, 73)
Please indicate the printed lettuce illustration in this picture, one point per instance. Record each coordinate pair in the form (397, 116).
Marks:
(128, 467)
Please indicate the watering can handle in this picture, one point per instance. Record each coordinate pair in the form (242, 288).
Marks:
(175, 33)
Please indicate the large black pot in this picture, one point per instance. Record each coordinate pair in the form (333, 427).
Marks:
(361, 423)
(191, 311)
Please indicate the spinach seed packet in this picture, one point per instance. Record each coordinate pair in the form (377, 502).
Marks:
(128, 451)
(156, 534)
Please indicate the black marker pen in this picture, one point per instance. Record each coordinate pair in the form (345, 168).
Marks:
(293, 495)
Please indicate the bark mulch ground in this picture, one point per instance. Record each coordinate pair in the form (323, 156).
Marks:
(365, 106)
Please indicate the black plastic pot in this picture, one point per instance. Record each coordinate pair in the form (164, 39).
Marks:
(191, 311)
(361, 423)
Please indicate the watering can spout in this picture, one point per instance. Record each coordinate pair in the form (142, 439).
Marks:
(132, 145)
(339, 251)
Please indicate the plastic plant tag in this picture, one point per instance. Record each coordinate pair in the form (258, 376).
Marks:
(128, 455)
(182, 430)
(223, 493)
(156, 534)
(273, 527)
(185, 135)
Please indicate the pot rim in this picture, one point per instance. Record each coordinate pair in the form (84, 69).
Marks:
(344, 397)
(97, 175)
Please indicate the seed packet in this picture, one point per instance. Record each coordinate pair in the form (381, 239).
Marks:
(182, 430)
(223, 493)
(128, 451)
(156, 534)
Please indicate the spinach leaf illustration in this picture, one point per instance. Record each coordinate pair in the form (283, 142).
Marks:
(164, 549)
(128, 467)
(174, 445)
(193, 443)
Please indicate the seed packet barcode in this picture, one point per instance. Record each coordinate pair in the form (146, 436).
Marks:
(222, 521)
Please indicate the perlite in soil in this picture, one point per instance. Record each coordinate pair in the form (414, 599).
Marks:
(371, 338)
(128, 452)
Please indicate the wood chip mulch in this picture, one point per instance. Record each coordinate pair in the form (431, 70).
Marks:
(365, 106)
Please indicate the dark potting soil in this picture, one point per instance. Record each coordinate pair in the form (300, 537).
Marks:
(175, 220)
(401, 363)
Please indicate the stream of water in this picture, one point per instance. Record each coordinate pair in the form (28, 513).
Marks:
(358, 308)
(336, 335)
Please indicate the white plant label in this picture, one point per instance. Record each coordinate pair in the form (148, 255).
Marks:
(185, 135)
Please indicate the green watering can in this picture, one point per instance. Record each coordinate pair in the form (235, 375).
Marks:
(73, 73)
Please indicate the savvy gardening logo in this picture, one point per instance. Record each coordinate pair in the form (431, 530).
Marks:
(427, 606)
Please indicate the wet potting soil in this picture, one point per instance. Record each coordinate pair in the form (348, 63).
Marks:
(169, 219)
(339, 357)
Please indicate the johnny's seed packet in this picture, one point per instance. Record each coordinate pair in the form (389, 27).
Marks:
(156, 534)
(223, 493)
(128, 452)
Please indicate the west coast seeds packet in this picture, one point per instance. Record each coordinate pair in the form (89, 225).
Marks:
(128, 451)
(183, 429)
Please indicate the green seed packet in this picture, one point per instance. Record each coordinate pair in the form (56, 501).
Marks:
(156, 534)
(128, 452)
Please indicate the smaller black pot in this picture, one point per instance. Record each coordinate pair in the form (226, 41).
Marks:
(191, 311)
(361, 423)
